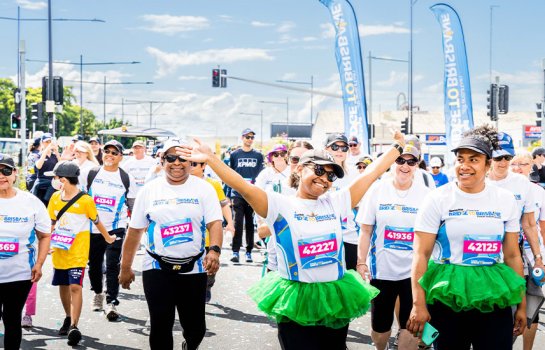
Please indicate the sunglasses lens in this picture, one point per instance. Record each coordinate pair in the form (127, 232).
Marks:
(294, 160)
(7, 171)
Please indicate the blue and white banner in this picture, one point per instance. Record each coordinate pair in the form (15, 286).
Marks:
(350, 64)
(457, 89)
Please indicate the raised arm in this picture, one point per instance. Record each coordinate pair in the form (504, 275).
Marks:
(256, 197)
(374, 170)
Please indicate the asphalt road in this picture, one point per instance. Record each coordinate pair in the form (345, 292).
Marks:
(233, 321)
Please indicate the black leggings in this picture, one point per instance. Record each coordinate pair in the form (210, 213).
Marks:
(293, 336)
(97, 249)
(167, 292)
(351, 255)
(460, 330)
(382, 307)
(12, 299)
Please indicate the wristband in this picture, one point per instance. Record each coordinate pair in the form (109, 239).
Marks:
(360, 264)
(398, 147)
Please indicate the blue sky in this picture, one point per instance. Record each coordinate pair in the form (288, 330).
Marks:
(179, 42)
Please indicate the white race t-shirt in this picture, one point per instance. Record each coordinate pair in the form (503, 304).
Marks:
(521, 187)
(392, 213)
(84, 172)
(20, 217)
(176, 217)
(538, 194)
(139, 169)
(351, 230)
(108, 193)
(269, 180)
(308, 235)
(470, 227)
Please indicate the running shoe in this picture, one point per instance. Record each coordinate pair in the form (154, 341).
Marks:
(26, 322)
(65, 326)
(111, 313)
(208, 295)
(184, 345)
(249, 257)
(396, 339)
(98, 302)
(74, 336)
(235, 257)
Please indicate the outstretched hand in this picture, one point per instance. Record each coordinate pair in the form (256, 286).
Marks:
(199, 152)
(399, 137)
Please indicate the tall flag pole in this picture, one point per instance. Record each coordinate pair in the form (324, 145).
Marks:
(350, 64)
(457, 88)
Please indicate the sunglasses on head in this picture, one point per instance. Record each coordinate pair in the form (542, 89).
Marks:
(249, 137)
(294, 159)
(361, 167)
(500, 158)
(6, 171)
(279, 154)
(336, 147)
(171, 158)
(113, 153)
(410, 162)
(319, 170)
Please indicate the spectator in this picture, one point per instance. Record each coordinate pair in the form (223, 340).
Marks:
(538, 154)
(355, 152)
(97, 149)
(438, 177)
(49, 156)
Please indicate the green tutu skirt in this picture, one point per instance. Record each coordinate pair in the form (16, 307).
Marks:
(331, 304)
(465, 288)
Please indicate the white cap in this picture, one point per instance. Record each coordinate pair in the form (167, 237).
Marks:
(435, 161)
(172, 143)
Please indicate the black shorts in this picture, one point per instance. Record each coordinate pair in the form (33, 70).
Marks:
(68, 276)
(382, 307)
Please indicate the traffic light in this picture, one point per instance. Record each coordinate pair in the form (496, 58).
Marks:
(371, 130)
(503, 99)
(492, 100)
(223, 78)
(37, 112)
(539, 110)
(15, 122)
(405, 126)
(58, 90)
(216, 78)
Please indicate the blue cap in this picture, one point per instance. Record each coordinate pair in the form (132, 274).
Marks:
(46, 136)
(506, 146)
(247, 131)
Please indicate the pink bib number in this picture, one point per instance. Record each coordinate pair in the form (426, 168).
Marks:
(8, 247)
(177, 232)
(398, 238)
(318, 251)
(481, 249)
(62, 239)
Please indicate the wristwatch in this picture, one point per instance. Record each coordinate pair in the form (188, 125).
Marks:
(215, 248)
(538, 256)
(398, 147)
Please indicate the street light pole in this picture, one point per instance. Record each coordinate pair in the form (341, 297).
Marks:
(491, 31)
(412, 2)
(311, 93)
(49, 94)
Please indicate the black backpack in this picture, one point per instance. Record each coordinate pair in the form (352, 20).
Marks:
(124, 178)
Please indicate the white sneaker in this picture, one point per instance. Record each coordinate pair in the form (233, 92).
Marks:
(26, 321)
(111, 312)
(98, 302)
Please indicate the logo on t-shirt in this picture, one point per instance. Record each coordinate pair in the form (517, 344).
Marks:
(398, 207)
(246, 163)
(6, 219)
(475, 213)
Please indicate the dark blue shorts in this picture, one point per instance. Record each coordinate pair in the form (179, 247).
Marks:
(68, 277)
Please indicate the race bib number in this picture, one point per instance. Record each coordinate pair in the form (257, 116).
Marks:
(318, 251)
(177, 232)
(482, 249)
(62, 238)
(105, 203)
(398, 238)
(8, 247)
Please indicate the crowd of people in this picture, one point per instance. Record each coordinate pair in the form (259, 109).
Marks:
(344, 233)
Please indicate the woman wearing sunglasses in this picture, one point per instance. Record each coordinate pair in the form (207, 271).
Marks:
(24, 243)
(274, 177)
(385, 249)
(312, 296)
(475, 278)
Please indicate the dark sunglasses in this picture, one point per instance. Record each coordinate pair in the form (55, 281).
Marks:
(171, 158)
(410, 162)
(195, 163)
(353, 145)
(360, 167)
(435, 167)
(319, 170)
(249, 137)
(279, 154)
(500, 158)
(294, 160)
(6, 171)
(113, 153)
(336, 147)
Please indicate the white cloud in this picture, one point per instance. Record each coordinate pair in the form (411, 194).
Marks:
(191, 77)
(32, 5)
(285, 27)
(328, 31)
(168, 24)
(261, 24)
(168, 62)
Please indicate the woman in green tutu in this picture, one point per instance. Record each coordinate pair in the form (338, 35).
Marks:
(312, 296)
(475, 277)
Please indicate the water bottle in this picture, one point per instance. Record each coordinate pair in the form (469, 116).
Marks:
(537, 276)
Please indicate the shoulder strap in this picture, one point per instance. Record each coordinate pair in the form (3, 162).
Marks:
(68, 205)
(126, 180)
(91, 177)
(426, 181)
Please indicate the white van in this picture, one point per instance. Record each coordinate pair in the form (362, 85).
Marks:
(12, 146)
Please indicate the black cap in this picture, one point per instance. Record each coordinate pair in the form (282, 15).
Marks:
(475, 144)
(538, 151)
(7, 160)
(115, 144)
(64, 169)
(95, 139)
(353, 140)
(77, 138)
(36, 141)
(247, 131)
(321, 157)
(332, 138)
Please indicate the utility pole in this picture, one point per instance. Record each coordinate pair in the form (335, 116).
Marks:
(23, 101)
(543, 108)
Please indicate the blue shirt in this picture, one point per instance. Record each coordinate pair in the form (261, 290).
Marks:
(247, 164)
(440, 179)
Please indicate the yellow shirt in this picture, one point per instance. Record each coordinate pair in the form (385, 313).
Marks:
(221, 197)
(73, 230)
